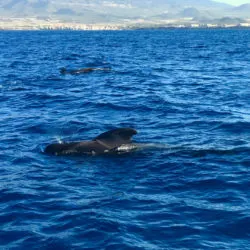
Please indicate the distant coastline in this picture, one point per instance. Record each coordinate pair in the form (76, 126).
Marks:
(52, 24)
(124, 28)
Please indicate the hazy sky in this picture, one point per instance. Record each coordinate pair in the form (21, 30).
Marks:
(234, 2)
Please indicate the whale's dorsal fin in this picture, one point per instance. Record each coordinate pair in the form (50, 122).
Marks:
(116, 137)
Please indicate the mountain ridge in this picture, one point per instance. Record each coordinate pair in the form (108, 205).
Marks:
(124, 11)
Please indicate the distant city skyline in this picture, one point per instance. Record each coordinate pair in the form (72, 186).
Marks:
(234, 2)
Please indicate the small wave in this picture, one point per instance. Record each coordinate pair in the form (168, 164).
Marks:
(215, 113)
(20, 89)
(234, 127)
(7, 196)
(193, 151)
(236, 51)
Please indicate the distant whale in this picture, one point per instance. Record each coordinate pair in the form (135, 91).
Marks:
(113, 141)
(82, 70)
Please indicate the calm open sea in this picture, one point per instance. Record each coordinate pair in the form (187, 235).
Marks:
(186, 91)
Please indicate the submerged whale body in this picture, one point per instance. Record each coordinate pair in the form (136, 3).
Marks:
(112, 141)
(82, 71)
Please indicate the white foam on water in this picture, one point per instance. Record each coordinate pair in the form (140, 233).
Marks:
(59, 140)
(127, 148)
(142, 146)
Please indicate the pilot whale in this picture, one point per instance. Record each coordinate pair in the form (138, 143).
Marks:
(113, 141)
(82, 71)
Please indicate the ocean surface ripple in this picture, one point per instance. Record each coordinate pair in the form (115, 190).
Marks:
(187, 92)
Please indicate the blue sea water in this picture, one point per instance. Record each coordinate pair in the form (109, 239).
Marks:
(187, 92)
